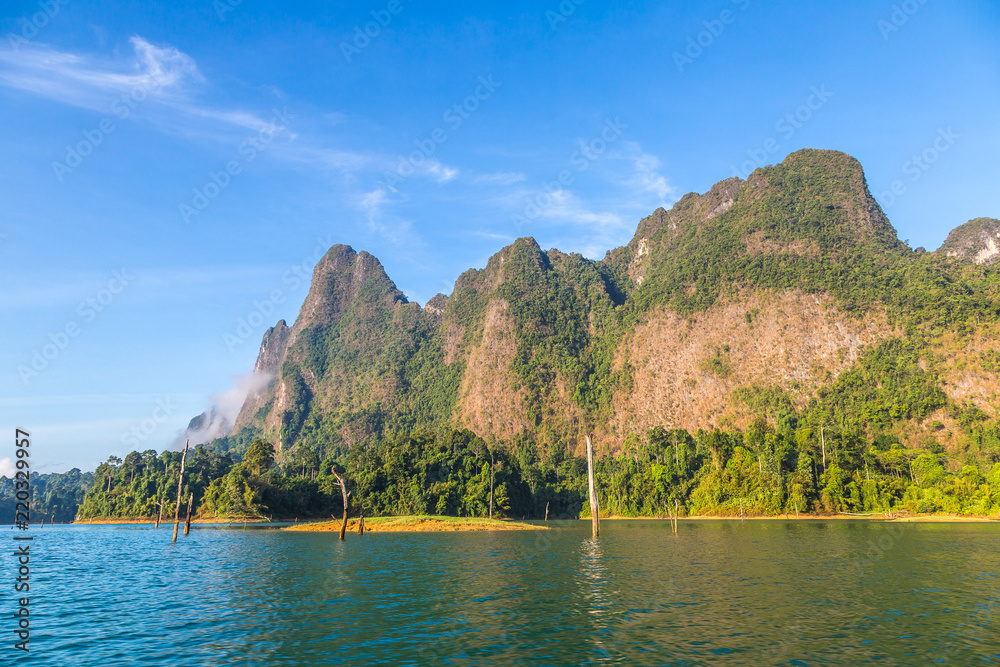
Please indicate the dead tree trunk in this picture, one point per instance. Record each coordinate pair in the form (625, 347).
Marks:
(346, 495)
(361, 524)
(180, 488)
(159, 511)
(594, 509)
(546, 510)
(492, 463)
(822, 440)
(187, 519)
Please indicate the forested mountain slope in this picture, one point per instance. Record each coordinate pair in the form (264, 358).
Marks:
(787, 292)
(769, 346)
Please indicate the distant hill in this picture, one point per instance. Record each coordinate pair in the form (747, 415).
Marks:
(977, 241)
(56, 497)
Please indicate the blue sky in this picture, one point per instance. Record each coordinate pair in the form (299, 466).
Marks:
(169, 172)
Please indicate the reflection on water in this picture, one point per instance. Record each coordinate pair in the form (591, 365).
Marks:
(781, 593)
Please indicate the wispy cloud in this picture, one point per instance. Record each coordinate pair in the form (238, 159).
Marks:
(568, 207)
(392, 228)
(331, 159)
(86, 82)
(38, 291)
(646, 177)
(499, 178)
(86, 399)
(438, 171)
(161, 75)
(506, 238)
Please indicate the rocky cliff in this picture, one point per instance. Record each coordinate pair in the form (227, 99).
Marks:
(977, 241)
(782, 281)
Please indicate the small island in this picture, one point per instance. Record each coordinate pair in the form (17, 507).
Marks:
(417, 524)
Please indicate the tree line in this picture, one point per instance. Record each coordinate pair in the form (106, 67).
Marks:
(792, 464)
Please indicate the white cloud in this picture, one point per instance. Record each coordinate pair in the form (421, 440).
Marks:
(500, 178)
(86, 82)
(340, 161)
(439, 172)
(568, 207)
(390, 227)
(219, 419)
(506, 238)
(162, 75)
(646, 176)
(7, 467)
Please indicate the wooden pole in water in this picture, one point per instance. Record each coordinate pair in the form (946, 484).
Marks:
(159, 511)
(594, 509)
(546, 510)
(345, 494)
(361, 524)
(180, 487)
(676, 513)
(187, 519)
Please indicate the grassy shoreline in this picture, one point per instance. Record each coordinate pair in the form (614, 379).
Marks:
(429, 523)
(111, 521)
(895, 518)
(416, 524)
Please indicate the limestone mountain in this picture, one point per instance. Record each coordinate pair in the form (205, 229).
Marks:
(788, 292)
(977, 241)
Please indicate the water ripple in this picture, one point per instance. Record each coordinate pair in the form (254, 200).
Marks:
(778, 593)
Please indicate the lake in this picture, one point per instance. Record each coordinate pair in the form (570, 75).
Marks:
(721, 592)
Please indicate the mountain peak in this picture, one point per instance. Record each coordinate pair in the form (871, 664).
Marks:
(341, 277)
(977, 241)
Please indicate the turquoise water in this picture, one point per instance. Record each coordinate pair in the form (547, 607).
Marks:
(754, 593)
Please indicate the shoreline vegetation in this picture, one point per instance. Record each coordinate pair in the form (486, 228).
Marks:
(767, 471)
(430, 523)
